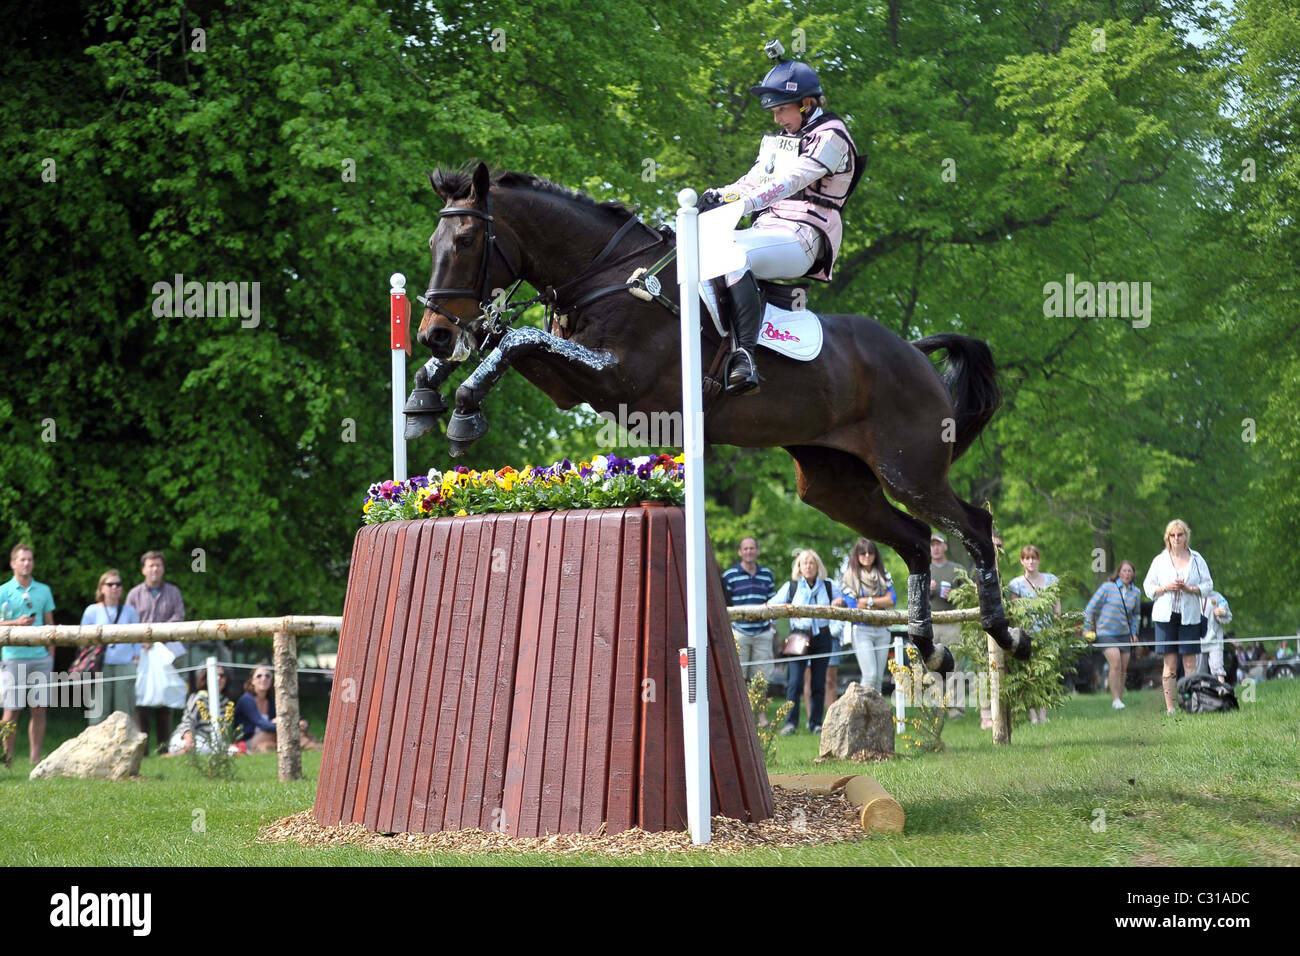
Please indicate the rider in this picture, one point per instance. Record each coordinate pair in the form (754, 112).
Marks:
(797, 187)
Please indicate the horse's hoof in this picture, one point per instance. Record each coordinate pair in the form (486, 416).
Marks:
(466, 429)
(418, 425)
(424, 401)
(1021, 643)
(940, 660)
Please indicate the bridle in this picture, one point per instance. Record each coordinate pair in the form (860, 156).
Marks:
(495, 313)
(487, 309)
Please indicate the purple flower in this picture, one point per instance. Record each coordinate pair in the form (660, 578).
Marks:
(643, 471)
(461, 470)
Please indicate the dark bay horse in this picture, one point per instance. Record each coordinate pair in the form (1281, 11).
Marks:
(869, 416)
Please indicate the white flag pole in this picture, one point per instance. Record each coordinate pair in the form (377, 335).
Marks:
(694, 659)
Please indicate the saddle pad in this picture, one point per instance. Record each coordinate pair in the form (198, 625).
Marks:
(796, 335)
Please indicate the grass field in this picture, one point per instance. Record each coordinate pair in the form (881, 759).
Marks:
(1216, 789)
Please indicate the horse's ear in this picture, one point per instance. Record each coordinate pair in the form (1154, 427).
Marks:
(479, 190)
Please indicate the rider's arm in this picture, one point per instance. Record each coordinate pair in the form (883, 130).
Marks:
(827, 154)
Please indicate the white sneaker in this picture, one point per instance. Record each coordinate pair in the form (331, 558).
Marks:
(1117, 704)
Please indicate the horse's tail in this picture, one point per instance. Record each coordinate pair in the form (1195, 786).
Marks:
(971, 379)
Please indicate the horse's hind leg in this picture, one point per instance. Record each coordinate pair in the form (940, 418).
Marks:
(975, 528)
(842, 487)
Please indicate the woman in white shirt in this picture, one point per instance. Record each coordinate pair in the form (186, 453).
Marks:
(1176, 581)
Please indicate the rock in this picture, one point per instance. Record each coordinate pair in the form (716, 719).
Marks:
(111, 750)
(859, 720)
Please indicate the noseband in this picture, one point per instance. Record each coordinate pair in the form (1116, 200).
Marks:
(480, 294)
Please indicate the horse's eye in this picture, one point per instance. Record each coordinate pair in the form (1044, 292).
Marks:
(464, 242)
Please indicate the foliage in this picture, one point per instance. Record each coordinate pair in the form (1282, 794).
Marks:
(8, 731)
(219, 764)
(1008, 144)
(1056, 647)
(929, 700)
(756, 689)
(603, 482)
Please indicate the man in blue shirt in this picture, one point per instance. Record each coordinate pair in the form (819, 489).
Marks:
(747, 582)
(25, 670)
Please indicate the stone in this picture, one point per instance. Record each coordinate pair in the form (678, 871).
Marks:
(859, 720)
(111, 750)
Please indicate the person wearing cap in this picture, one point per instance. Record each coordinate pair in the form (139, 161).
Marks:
(943, 578)
(796, 190)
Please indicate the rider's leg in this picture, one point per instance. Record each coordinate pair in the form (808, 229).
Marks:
(780, 251)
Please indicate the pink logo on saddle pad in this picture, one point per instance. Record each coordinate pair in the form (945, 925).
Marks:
(770, 331)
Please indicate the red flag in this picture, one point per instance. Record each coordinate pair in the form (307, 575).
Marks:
(399, 319)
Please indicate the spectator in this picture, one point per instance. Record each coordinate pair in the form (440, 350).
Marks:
(943, 578)
(119, 659)
(1112, 616)
(747, 583)
(195, 733)
(1030, 585)
(869, 586)
(808, 585)
(1283, 650)
(25, 671)
(1217, 613)
(255, 714)
(1177, 578)
(157, 601)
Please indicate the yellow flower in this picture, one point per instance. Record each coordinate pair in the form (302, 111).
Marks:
(370, 503)
(461, 513)
(680, 459)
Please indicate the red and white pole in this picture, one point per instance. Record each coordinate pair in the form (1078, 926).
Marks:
(399, 316)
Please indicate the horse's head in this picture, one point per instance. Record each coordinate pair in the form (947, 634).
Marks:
(468, 264)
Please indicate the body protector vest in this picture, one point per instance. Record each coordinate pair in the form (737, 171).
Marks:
(805, 178)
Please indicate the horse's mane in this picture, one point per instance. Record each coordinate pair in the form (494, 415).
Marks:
(455, 184)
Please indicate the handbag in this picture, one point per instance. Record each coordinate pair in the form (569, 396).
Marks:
(796, 645)
(90, 659)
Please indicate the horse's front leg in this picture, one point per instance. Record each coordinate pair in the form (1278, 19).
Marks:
(468, 424)
(425, 405)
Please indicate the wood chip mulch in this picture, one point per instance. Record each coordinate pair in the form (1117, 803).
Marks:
(802, 819)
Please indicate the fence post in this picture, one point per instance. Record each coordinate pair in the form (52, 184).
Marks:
(1001, 716)
(288, 741)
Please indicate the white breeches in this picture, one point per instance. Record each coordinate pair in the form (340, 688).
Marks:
(777, 249)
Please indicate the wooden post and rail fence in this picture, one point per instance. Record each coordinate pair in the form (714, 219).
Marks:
(285, 631)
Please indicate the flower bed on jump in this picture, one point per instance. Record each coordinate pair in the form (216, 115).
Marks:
(517, 671)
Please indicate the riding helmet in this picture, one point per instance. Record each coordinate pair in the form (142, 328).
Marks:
(787, 82)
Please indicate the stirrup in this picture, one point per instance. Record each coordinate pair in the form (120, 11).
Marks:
(740, 382)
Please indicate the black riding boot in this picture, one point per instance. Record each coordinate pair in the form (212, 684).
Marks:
(746, 312)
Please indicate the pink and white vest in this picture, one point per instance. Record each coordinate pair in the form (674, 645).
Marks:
(789, 181)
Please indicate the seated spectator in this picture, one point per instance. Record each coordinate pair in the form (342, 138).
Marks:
(255, 714)
(194, 735)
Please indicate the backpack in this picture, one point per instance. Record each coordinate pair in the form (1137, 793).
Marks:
(1202, 693)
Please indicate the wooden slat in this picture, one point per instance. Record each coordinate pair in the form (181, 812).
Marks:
(338, 726)
(536, 769)
(622, 805)
(526, 661)
(392, 715)
(354, 799)
(422, 791)
(580, 724)
(569, 607)
(444, 744)
(605, 607)
(675, 638)
(428, 578)
(515, 538)
(467, 725)
(654, 723)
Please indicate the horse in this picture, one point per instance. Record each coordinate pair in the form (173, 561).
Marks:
(870, 415)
